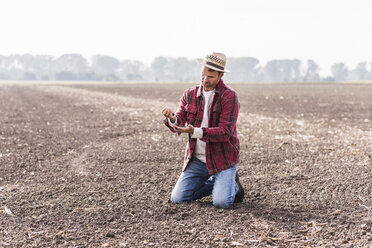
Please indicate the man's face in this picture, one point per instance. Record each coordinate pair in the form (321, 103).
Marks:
(210, 78)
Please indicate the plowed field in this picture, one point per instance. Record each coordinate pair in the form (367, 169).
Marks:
(92, 165)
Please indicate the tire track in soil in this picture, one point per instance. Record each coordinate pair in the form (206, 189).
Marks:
(139, 111)
(57, 138)
(145, 154)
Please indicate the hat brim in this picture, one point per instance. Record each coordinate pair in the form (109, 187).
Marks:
(203, 62)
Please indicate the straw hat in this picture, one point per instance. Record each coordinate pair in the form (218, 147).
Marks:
(215, 61)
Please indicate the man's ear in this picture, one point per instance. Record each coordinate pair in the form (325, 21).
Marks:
(222, 73)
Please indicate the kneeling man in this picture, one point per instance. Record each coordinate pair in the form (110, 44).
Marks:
(208, 114)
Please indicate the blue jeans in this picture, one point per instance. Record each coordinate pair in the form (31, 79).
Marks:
(195, 183)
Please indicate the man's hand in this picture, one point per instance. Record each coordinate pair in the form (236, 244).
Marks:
(168, 113)
(188, 129)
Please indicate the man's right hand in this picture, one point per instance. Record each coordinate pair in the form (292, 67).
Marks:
(168, 113)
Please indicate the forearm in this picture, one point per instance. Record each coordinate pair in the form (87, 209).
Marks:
(211, 134)
(216, 134)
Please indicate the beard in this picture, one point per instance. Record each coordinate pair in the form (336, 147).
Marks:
(206, 84)
(210, 84)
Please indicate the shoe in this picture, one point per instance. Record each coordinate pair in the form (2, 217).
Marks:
(240, 195)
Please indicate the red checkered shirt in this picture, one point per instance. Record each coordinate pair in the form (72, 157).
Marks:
(222, 143)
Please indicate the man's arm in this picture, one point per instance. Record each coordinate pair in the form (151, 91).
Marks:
(178, 119)
(226, 125)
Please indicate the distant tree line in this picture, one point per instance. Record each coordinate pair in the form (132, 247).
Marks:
(108, 68)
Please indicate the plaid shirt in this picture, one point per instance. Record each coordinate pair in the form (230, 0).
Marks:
(222, 143)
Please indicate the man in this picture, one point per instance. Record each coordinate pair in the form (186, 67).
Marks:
(208, 114)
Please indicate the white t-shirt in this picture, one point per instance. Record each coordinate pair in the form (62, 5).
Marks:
(198, 131)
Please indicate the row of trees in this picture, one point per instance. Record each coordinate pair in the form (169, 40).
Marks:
(101, 67)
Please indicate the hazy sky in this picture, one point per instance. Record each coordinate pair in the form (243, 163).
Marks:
(324, 30)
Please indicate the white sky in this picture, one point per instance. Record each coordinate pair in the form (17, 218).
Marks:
(326, 31)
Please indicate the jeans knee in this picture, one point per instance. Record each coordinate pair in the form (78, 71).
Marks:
(222, 203)
(175, 199)
(178, 198)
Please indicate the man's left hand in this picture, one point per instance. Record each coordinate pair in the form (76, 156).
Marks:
(188, 129)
